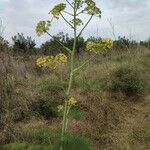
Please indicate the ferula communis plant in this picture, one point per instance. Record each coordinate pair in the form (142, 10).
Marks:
(78, 7)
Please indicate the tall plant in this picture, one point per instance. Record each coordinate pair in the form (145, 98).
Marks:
(77, 8)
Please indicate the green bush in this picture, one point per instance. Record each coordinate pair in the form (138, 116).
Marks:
(23, 45)
(53, 85)
(26, 146)
(50, 96)
(77, 114)
(46, 137)
(90, 85)
(74, 142)
(140, 137)
(44, 108)
(127, 81)
(74, 114)
(15, 146)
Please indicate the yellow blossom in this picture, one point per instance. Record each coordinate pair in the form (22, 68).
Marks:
(42, 27)
(61, 58)
(99, 47)
(45, 61)
(72, 101)
(90, 46)
(56, 11)
(106, 43)
(51, 61)
(60, 108)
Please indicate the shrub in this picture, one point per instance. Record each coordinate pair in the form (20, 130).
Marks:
(74, 142)
(50, 93)
(145, 43)
(123, 43)
(75, 114)
(4, 45)
(52, 47)
(44, 108)
(140, 137)
(50, 137)
(23, 45)
(52, 85)
(15, 146)
(13, 100)
(127, 81)
(90, 85)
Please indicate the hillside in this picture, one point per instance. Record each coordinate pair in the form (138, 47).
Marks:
(112, 111)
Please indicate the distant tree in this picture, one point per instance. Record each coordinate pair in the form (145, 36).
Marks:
(4, 45)
(124, 43)
(94, 39)
(145, 43)
(53, 47)
(23, 45)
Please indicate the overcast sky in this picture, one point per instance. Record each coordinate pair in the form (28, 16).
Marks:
(129, 17)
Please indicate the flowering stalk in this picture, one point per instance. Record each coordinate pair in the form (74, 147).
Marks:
(87, 7)
(65, 122)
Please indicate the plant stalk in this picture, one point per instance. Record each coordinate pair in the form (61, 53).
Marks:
(65, 116)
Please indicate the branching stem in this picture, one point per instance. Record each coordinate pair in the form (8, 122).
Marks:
(85, 26)
(65, 116)
(66, 48)
(67, 13)
(86, 62)
(70, 4)
(66, 21)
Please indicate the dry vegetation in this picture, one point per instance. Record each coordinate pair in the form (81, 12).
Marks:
(106, 117)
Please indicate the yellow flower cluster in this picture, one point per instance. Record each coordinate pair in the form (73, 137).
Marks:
(61, 58)
(107, 43)
(92, 8)
(60, 108)
(91, 46)
(42, 27)
(99, 47)
(57, 10)
(45, 61)
(72, 102)
(51, 61)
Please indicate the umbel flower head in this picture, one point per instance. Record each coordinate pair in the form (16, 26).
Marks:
(51, 61)
(99, 47)
(42, 27)
(92, 8)
(61, 58)
(56, 11)
(60, 108)
(72, 102)
(91, 46)
(45, 61)
(107, 43)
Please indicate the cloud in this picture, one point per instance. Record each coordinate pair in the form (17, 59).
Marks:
(23, 16)
(128, 17)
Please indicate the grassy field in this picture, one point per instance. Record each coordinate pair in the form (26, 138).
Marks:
(112, 112)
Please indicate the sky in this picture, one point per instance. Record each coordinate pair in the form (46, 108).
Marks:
(130, 18)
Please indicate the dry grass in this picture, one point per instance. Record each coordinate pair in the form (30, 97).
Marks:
(112, 123)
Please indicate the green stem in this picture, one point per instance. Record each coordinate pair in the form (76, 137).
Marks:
(86, 62)
(65, 121)
(66, 21)
(85, 26)
(66, 48)
(66, 12)
(69, 3)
